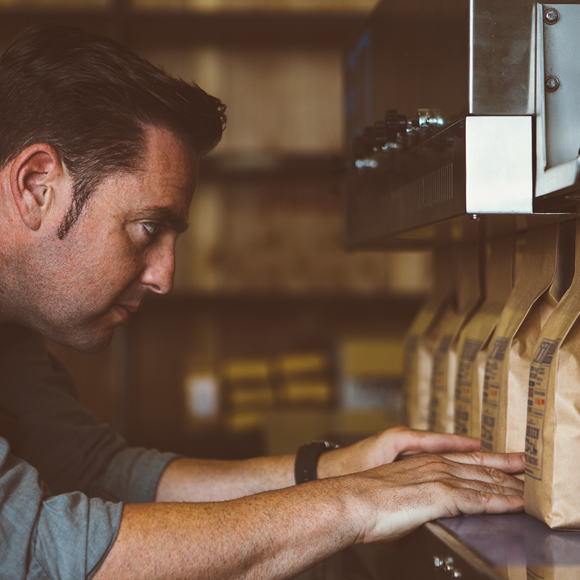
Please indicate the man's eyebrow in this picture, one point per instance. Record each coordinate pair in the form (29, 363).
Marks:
(166, 216)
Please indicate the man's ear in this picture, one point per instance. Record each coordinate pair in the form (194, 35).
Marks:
(33, 176)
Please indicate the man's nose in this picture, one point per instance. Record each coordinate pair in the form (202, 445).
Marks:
(160, 268)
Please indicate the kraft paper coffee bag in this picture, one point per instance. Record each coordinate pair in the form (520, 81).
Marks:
(441, 404)
(552, 438)
(498, 274)
(421, 338)
(505, 388)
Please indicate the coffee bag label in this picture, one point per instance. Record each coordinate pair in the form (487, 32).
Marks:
(491, 391)
(464, 385)
(537, 396)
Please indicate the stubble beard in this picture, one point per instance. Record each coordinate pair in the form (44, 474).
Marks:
(39, 295)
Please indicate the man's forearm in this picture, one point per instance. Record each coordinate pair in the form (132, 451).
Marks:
(270, 535)
(199, 480)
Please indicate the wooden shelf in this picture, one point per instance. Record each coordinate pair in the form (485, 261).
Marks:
(257, 168)
(241, 28)
(146, 28)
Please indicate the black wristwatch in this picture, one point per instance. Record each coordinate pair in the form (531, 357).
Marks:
(307, 459)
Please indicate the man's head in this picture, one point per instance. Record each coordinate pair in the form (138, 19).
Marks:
(98, 162)
(91, 99)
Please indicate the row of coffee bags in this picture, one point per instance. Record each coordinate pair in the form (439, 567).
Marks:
(475, 335)
(503, 364)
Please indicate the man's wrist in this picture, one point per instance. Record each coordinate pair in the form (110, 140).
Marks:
(307, 457)
(328, 466)
(351, 501)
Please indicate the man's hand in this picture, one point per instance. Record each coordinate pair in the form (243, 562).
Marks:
(400, 497)
(387, 446)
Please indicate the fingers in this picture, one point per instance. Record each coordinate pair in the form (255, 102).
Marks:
(466, 467)
(506, 462)
(411, 442)
(486, 487)
(472, 502)
(490, 475)
(471, 497)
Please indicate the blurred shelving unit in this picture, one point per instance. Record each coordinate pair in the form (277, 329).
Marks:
(194, 333)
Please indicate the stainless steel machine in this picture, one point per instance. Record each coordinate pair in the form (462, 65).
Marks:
(459, 111)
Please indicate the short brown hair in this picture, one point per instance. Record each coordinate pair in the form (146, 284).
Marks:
(92, 100)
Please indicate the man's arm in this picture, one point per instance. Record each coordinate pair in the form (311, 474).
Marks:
(280, 533)
(197, 480)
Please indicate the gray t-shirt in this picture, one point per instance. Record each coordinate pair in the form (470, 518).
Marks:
(63, 475)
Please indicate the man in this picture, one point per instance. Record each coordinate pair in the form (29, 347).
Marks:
(98, 164)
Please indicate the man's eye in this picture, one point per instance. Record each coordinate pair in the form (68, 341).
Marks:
(151, 228)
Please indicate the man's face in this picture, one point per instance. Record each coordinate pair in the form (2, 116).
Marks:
(120, 250)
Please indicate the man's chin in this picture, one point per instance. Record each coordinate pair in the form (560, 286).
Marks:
(95, 346)
(88, 342)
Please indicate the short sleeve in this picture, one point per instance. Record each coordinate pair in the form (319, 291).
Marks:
(132, 476)
(47, 537)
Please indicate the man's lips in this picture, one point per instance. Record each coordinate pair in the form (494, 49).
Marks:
(125, 311)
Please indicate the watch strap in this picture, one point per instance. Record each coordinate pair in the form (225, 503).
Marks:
(307, 459)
